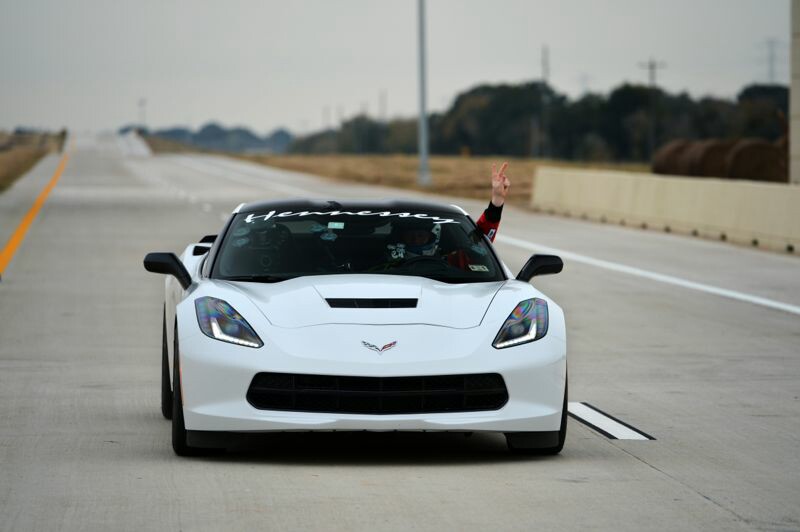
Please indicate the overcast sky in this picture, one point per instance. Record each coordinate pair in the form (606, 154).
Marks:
(263, 64)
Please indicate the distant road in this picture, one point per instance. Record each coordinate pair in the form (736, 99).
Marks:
(712, 376)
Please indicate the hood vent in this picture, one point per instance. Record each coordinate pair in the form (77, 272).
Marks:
(372, 303)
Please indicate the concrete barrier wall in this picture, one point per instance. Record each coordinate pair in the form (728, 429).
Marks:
(761, 214)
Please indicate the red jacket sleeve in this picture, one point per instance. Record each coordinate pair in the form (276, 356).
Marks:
(490, 220)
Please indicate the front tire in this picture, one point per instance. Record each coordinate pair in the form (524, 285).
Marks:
(540, 443)
(166, 387)
(179, 434)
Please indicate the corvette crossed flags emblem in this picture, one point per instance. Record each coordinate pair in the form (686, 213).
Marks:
(379, 349)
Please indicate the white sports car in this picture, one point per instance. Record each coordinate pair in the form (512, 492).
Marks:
(344, 316)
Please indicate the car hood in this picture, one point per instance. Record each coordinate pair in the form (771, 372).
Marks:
(303, 301)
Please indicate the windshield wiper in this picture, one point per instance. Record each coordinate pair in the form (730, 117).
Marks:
(256, 278)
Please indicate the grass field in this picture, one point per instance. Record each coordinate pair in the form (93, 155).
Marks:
(19, 152)
(16, 162)
(161, 145)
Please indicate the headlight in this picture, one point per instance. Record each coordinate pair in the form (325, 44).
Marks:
(220, 321)
(526, 323)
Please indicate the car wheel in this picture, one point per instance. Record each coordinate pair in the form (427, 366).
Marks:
(166, 387)
(179, 434)
(540, 443)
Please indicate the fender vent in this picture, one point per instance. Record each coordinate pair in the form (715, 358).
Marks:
(372, 303)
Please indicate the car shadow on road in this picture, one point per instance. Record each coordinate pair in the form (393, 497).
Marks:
(369, 448)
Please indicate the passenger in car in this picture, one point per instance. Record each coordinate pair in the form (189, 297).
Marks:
(414, 239)
(490, 219)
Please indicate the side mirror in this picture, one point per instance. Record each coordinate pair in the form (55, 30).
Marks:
(170, 264)
(540, 265)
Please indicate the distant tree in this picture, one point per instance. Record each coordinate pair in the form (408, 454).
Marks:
(513, 119)
(758, 111)
(401, 136)
(278, 141)
(323, 142)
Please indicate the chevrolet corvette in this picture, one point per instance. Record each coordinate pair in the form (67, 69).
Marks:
(358, 315)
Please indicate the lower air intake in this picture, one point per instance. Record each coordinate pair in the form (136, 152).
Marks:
(377, 395)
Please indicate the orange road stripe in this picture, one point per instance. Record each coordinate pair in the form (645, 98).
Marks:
(19, 234)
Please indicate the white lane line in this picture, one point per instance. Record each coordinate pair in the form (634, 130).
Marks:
(605, 424)
(653, 276)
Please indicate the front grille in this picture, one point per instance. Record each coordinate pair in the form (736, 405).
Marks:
(377, 395)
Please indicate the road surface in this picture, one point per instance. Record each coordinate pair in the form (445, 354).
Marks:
(694, 342)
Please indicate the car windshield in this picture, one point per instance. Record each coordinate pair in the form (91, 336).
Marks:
(272, 247)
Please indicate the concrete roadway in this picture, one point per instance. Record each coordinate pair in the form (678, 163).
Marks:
(83, 445)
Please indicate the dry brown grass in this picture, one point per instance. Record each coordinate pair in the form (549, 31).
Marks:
(461, 176)
(20, 152)
(16, 161)
(162, 145)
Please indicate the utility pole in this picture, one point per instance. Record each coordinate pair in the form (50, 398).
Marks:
(772, 49)
(652, 66)
(794, 94)
(583, 81)
(545, 59)
(424, 176)
(143, 113)
(382, 95)
(339, 115)
(771, 59)
(326, 117)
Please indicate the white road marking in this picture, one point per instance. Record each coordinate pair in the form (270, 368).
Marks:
(604, 424)
(653, 276)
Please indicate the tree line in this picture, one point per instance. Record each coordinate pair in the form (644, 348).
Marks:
(533, 119)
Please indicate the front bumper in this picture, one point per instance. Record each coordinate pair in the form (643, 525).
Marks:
(215, 377)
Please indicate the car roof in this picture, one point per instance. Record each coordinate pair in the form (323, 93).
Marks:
(348, 205)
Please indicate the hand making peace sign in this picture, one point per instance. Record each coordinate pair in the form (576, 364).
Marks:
(500, 185)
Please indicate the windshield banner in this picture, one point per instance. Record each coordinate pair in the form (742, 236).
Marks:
(252, 218)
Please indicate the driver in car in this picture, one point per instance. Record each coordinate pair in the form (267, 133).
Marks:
(423, 240)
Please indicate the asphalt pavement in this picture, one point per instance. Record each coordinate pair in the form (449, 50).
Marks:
(696, 343)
